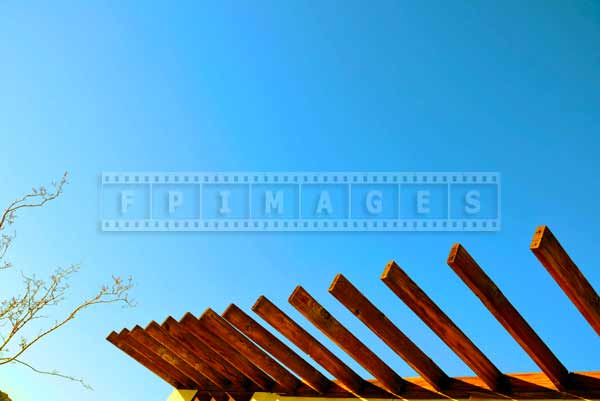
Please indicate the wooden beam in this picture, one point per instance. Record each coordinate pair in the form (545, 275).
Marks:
(343, 338)
(203, 352)
(277, 348)
(140, 335)
(525, 387)
(416, 299)
(178, 348)
(118, 340)
(202, 396)
(494, 300)
(227, 351)
(158, 362)
(374, 319)
(219, 396)
(220, 327)
(566, 273)
(307, 343)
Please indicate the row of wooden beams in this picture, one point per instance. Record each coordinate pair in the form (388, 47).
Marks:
(347, 341)
(221, 328)
(375, 320)
(154, 349)
(231, 356)
(227, 351)
(277, 348)
(144, 338)
(205, 353)
(162, 351)
(418, 301)
(192, 362)
(494, 300)
(308, 344)
(146, 359)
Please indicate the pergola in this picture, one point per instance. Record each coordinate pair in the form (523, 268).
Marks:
(232, 356)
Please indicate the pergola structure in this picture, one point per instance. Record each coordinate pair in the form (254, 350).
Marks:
(232, 356)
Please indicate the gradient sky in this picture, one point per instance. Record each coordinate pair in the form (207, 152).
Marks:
(509, 86)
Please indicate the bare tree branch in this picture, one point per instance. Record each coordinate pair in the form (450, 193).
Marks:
(22, 311)
(37, 198)
(55, 373)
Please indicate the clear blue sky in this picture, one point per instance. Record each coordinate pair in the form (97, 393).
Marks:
(509, 86)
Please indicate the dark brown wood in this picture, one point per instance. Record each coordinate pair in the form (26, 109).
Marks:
(228, 352)
(528, 386)
(219, 396)
(140, 335)
(307, 343)
(147, 361)
(203, 352)
(156, 360)
(343, 338)
(343, 290)
(221, 328)
(565, 272)
(494, 300)
(225, 358)
(277, 348)
(416, 299)
(178, 348)
(202, 396)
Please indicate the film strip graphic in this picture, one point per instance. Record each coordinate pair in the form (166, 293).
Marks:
(300, 201)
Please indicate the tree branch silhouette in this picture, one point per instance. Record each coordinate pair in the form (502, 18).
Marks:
(25, 310)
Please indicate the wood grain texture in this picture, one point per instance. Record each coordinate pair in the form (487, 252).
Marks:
(231, 357)
(227, 352)
(179, 349)
(494, 300)
(219, 396)
(343, 290)
(567, 275)
(277, 348)
(527, 386)
(416, 299)
(203, 396)
(343, 338)
(119, 341)
(202, 352)
(159, 362)
(220, 327)
(140, 335)
(307, 343)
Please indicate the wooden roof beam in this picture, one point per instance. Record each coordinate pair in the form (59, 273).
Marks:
(261, 336)
(310, 345)
(347, 341)
(494, 300)
(343, 290)
(158, 362)
(227, 351)
(220, 327)
(567, 275)
(418, 301)
(178, 348)
(155, 347)
(146, 359)
(202, 352)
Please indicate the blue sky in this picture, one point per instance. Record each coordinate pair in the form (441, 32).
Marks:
(511, 87)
